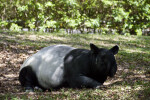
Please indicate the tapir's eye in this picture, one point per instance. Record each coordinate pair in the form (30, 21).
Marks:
(100, 60)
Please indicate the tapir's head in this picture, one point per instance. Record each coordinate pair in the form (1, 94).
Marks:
(104, 59)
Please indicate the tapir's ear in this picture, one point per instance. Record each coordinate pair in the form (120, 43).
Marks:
(114, 49)
(94, 48)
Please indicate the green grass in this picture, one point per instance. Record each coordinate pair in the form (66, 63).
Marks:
(132, 81)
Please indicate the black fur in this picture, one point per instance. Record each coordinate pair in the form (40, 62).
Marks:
(28, 79)
(89, 68)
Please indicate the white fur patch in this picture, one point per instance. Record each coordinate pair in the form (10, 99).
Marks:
(48, 65)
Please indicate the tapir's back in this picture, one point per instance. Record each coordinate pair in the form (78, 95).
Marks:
(48, 65)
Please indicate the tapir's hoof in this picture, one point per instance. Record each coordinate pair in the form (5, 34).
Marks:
(101, 87)
(37, 89)
(29, 89)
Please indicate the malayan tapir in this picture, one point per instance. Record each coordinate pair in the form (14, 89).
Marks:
(60, 65)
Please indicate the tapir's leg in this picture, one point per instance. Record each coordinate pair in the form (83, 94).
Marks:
(28, 78)
(83, 81)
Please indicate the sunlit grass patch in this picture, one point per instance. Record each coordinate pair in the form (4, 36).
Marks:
(130, 83)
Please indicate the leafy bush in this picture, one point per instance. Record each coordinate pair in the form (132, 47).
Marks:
(125, 16)
(15, 27)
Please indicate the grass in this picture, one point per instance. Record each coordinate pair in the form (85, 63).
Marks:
(130, 83)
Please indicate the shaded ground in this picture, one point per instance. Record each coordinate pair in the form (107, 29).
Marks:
(132, 80)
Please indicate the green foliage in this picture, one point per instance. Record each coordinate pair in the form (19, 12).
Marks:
(138, 32)
(31, 23)
(15, 27)
(125, 16)
(3, 24)
(51, 23)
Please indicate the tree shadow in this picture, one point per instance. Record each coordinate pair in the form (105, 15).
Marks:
(17, 46)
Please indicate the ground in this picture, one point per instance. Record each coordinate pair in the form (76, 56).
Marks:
(132, 80)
